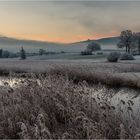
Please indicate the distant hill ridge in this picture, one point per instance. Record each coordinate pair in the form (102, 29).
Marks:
(14, 44)
(108, 40)
(11, 39)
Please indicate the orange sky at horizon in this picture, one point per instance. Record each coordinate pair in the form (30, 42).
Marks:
(60, 39)
(67, 22)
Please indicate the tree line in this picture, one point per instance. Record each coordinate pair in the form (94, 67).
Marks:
(8, 54)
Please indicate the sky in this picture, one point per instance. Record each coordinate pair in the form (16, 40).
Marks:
(61, 21)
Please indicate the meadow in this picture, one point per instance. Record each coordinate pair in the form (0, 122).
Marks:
(113, 74)
(68, 56)
(69, 69)
(68, 99)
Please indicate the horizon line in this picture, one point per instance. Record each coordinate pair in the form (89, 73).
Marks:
(38, 40)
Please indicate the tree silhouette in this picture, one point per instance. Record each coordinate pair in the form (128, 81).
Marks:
(93, 46)
(5, 54)
(139, 43)
(22, 54)
(126, 40)
(137, 40)
(1, 53)
(41, 51)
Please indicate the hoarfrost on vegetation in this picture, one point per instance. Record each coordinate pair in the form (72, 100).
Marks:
(55, 107)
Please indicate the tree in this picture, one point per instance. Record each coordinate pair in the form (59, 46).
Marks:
(1, 53)
(138, 36)
(22, 54)
(41, 52)
(5, 54)
(137, 41)
(126, 40)
(93, 46)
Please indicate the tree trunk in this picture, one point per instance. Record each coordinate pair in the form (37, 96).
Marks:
(126, 49)
(139, 46)
(129, 50)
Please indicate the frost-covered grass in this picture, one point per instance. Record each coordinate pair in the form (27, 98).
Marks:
(56, 107)
(115, 74)
(68, 56)
(60, 100)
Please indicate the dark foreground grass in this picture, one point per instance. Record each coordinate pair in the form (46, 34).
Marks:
(54, 107)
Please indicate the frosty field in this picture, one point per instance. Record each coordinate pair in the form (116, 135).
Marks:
(122, 73)
(69, 69)
(65, 99)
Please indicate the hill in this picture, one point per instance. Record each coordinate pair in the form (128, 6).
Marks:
(13, 44)
(109, 40)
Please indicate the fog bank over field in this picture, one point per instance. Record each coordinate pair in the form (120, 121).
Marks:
(14, 45)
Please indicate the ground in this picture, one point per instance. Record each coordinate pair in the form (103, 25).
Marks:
(75, 99)
(124, 73)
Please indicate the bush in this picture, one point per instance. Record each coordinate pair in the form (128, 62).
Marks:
(113, 57)
(63, 52)
(86, 53)
(99, 53)
(127, 56)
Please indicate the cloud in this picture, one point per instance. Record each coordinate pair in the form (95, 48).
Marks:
(69, 19)
(98, 16)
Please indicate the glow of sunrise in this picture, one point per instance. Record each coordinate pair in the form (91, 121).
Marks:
(67, 21)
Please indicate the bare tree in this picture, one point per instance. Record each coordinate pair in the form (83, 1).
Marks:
(139, 43)
(126, 40)
(137, 40)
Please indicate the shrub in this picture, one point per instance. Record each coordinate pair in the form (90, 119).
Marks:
(99, 53)
(127, 56)
(113, 57)
(63, 52)
(86, 52)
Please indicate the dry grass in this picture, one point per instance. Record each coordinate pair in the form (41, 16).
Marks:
(58, 102)
(114, 74)
(55, 107)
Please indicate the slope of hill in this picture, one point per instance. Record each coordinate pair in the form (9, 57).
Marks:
(13, 44)
(109, 43)
(109, 40)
